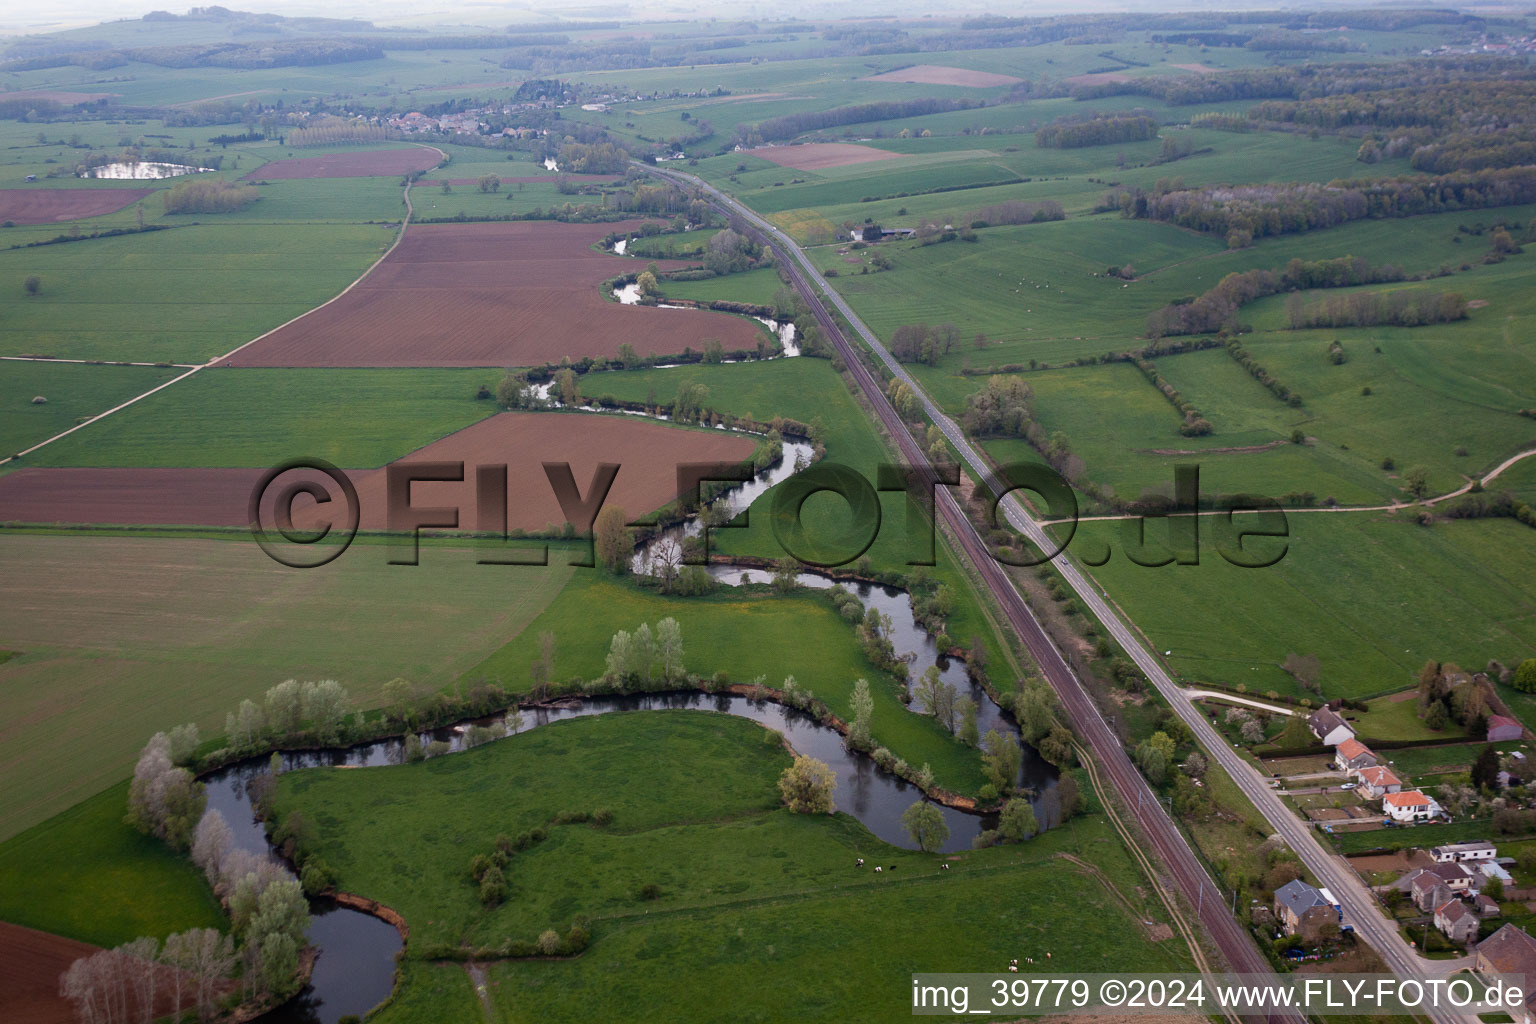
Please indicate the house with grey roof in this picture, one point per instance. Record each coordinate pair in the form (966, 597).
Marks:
(1302, 909)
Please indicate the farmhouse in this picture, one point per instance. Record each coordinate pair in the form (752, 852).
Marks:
(1429, 892)
(1456, 877)
(1509, 951)
(1303, 909)
(1450, 853)
(1407, 806)
(1502, 729)
(1377, 781)
(1456, 921)
(1329, 728)
(1352, 754)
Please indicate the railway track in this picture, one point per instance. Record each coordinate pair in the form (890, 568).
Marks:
(1185, 873)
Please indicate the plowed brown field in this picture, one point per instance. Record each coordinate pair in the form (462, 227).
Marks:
(45, 205)
(30, 965)
(813, 156)
(547, 179)
(491, 294)
(940, 74)
(368, 163)
(648, 454)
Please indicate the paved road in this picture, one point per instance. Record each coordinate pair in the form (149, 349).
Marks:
(1358, 903)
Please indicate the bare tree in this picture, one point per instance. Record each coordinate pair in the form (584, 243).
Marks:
(210, 960)
(210, 844)
(174, 956)
(138, 961)
(78, 985)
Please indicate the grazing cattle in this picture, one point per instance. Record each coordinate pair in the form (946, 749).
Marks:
(1014, 968)
(1013, 963)
(860, 862)
(877, 867)
(944, 867)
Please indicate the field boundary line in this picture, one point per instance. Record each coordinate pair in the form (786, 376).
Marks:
(97, 362)
(404, 223)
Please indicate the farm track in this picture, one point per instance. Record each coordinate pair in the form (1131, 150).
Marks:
(1359, 906)
(1166, 841)
(1396, 506)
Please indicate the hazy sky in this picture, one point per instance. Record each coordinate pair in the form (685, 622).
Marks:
(18, 17)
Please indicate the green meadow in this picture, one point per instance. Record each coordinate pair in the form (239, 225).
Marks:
(727, 633)
(1373, 596)
(356, 419)
(73, 392)
(87, 875)
(186, 295)
(756, 900)
(809, 390)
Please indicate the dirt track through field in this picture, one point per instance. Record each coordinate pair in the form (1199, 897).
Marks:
(47, 205)
(648, 454)
(522, 293)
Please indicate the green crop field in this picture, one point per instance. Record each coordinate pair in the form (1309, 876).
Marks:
(73, 392)
(87, 875)
(183, 295)
(92, 681)
(759, 286)
(727, 633)
(357, 419)
(739, 881)
(1372, 596)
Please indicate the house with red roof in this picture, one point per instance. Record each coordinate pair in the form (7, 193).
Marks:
(1352, 754)
(1377, 781)
(1408, 806)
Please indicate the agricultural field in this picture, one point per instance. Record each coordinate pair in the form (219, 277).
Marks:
(647, 454)
(1374, 596)
(257, 418)
(71, 392)
(475, 275)
(122, 636)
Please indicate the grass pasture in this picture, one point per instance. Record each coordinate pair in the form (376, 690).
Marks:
(743, 885)
(728, 632)
(86, 875)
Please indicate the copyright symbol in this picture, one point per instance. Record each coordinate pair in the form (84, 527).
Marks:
(304, 477)
(1112, 992)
